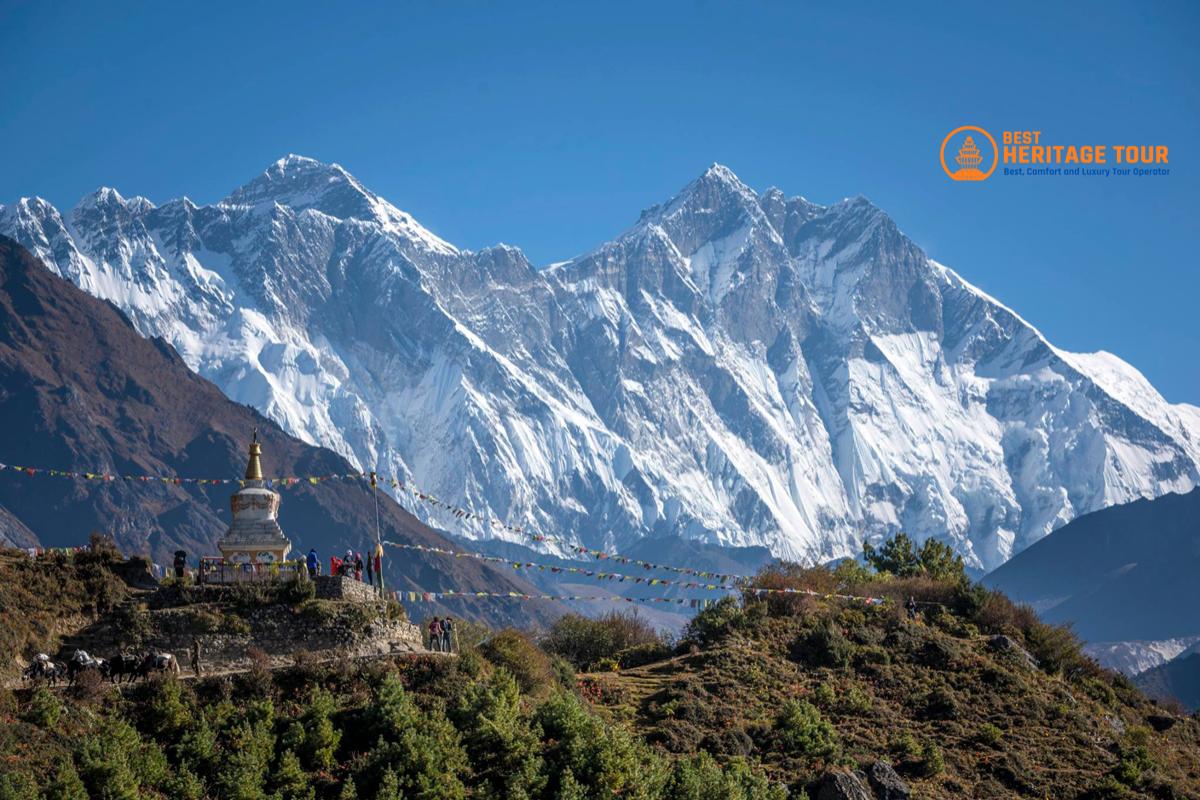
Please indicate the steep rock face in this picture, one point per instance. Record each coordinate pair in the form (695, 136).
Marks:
(742, 368)
(81, 390)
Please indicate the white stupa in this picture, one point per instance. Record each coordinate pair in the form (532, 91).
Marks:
(254, 536)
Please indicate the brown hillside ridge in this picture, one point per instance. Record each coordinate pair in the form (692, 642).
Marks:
(774, 698)
(80, 389)
(973, 699)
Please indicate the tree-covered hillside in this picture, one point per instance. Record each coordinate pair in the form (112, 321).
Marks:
(783, 695)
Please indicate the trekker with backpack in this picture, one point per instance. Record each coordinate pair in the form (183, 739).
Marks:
(358, 567)
(447, 636)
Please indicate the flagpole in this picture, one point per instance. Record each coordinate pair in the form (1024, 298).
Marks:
(378, 541)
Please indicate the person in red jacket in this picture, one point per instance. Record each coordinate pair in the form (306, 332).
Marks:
(435, 635)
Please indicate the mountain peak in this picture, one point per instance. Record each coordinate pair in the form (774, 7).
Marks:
(103, 197)
(301, 183)
(720, 172)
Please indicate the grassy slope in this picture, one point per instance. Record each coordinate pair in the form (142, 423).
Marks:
(958, 717)
(42, 601)
(1003, 728)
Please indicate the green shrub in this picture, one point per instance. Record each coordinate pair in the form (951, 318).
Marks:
(803, 731)
(932, 761)
(1055, 647)
(991, 735)
(133, 624)
(940, 703)
(515, 652)
(714, 622)
(872, 655)
(319, 612)
(646, 653)
(234, 625)
(856, 700)
(586, 642)
(906, 746)
(296, 591)
(44, 708)
(823, 646)
(1135, 759)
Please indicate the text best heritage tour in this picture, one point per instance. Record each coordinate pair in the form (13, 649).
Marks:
(1026, 147)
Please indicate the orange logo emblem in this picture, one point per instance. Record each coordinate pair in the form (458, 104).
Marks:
(969, 158)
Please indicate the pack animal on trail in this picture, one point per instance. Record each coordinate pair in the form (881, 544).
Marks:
(43, 669)
(122, 665)
(158, 662)
(80, 663)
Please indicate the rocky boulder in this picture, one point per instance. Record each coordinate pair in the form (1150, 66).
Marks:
(1009, 645)
(886, 783)
(844, 786)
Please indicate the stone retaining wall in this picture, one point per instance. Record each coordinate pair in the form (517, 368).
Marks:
(346, 619)
(339, 587)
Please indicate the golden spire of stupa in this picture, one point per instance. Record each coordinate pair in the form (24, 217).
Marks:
(254, 466)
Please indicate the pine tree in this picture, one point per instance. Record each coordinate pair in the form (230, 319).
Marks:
(502, 745)
(897, 556)
(246, 753)
(389, 787)
(197, 749)
(67, 785)
(321, 738)
(605, 759)
(182, 784)
(104, 766)
(289, 779)
(423, 750)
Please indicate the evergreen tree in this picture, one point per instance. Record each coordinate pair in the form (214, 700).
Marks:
(939, 561)
(497, 735)
(423, 750)
(168, 712)
(44, 708)
(702, 778)
(247, 748)
(182, 784)
(18, 786)
(389, 787)
(67, 785)
(605, 760)
(289, 780)
(569, 788)
(104, 762)
(897, 556)
(197, 749)
(321, 738)
(802, 730)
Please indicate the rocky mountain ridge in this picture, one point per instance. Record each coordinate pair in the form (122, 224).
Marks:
(741, 368)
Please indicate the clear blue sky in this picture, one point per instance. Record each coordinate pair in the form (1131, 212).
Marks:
(551, 126)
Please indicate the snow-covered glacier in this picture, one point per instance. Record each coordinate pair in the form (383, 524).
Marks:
(743, 368)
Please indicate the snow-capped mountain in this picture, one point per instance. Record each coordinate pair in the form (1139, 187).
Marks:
(1133, 658)
(741, 368)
